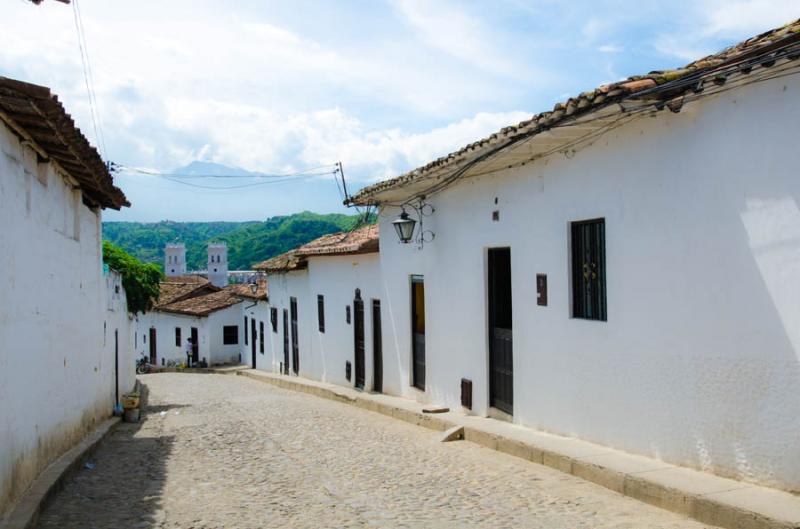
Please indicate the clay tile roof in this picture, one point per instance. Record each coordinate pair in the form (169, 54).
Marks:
(243, 290)
(202, 305)
(667, 88)
(362, 240)
(285, 262)
(172, 290)
(36, 115)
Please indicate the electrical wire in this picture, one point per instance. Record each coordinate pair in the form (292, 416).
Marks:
(88, 78)
(790, 51)
(321, 170)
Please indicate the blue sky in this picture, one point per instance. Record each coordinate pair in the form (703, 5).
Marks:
(383, 86)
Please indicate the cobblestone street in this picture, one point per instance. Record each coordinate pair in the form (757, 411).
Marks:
(225, 451)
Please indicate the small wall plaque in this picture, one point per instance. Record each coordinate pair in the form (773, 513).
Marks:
(541, 289)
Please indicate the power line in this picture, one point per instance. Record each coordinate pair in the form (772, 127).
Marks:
(88, 77)
(316, 171)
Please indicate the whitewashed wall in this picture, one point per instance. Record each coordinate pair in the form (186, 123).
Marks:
(209, 331)
(55, 374)
(118, 334)
(219, 353)
(337, 278)
(698, 361)
(257, 310)
(281, 287)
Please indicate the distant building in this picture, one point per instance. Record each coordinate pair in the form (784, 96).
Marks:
(64, 326)
(175, 260)
(218, 264)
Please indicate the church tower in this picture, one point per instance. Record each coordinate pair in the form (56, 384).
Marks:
(175, 260)
(218, 264)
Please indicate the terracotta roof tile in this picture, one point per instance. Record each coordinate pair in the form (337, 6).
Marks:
(658, 85)
(173, 289)
(35, 114)
(362, 240)
(285, 262)
(202, 305)
(243, 290)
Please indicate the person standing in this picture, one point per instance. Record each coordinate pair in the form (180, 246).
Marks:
(189, 349)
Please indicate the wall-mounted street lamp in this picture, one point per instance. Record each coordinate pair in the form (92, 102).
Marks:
(404, 226)
(254, 288)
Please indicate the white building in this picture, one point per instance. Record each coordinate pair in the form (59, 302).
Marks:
(175, 260)
(621, 269)
(190, 307)
(324, 302)
(256, 320)
(58, 319)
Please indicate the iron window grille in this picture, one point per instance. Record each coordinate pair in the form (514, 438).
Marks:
(177, 336)
(261, 336)
(589, 270)
(321, 312)
(273, 319)
(230, 334)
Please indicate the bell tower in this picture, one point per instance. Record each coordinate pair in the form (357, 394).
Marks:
(175, 259)
(218, 264)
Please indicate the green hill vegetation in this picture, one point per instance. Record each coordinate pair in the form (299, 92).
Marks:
(248, 242)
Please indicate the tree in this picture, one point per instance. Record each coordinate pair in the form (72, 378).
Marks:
(140, 280)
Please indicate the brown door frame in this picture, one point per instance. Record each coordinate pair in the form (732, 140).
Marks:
(417, 334)
(153, 349)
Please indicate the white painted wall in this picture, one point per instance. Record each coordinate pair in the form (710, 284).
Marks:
(55, 374)
(118, 334)
(218, 351)
(281, 288)
(257, 310)
(209, 330)
(337, 278)
(698, 363)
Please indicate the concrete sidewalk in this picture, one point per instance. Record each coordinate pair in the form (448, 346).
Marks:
(708, 498)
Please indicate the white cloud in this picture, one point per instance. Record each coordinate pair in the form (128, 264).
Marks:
(709, 21)
(453, 31)
(610, 48)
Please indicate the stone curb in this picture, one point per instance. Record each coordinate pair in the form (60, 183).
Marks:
(754, 512)
(25, 513)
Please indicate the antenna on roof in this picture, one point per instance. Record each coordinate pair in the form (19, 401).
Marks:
(344, 184)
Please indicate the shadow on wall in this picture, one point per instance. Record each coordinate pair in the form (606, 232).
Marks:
(121, 486)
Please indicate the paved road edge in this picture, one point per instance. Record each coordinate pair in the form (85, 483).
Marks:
(705, 497)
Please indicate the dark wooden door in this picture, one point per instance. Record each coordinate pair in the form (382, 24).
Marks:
(153, 346)
(501, 360)
(295, 344)
(358, 333)
(418, 332)
(195, 347)
(377, 348)
(116, 366)
(253, 338)
(285, 342)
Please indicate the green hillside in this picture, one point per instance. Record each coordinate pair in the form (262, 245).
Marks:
(248, 242)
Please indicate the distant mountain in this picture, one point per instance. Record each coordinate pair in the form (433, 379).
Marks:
(199, 168)
(248, 242)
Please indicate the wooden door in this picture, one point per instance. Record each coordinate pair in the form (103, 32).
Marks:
(285, 342)
(358, 333)
(377, 348)
(253, 339)
(501, 358)
(153, 346)
(195, 346)
(418, 332)
(295, 337)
